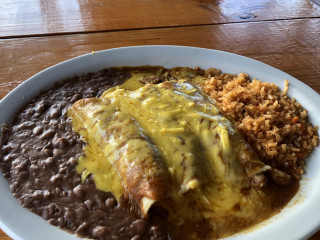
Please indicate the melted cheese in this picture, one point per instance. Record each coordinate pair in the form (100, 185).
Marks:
(131, 162)
(200, 149)
(93, 159)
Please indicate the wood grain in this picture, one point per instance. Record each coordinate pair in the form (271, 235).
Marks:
(34, 17)
(292, 46)
(316, 236)
(4, 236)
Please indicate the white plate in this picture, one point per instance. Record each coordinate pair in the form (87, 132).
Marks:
(298, 220)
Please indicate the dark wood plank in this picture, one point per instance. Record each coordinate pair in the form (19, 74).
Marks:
(3, 236)
(32, 17)
(316, 236)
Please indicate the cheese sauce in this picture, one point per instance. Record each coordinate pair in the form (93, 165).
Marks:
(200, 150)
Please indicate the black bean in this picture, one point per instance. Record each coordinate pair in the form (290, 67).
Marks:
(46, 213)
(89, 204)
(34, 168)
(36, 115)
(64, 193)
(63, 170)
(57, 152)
(6, 148)
(69, 215)
(19, 164)
(79, 191)
(56, 178)
(99, 200)
(72, 162)
(60, 143)
(76, 181)
(37, 181)
(99, 93)
(52, 221)
(30, 111)
(156, 238)
(57, 191)
(90, 92)
(48, 145)
(64, 114)
(14, 186)
(124, 229)
(81, 212)
(22, 175)
(62, 105)
(54, 123)
(37, 194)
(139, 225)
(111, 202)
(62, 127)
(97, 75)
(54, 113)
(25, 125)
(16, 171)
(45, 122)
(38, 149)
(82, 228)
(53, 209)
(61, 222)
(9, 157)
(49, 161)
(23, 134)
(73, 141)
(40, 107)
(76, 97)
(47, 194)
(24, 151)
(100, 232)
(47, 134)
(137, 237)
(47, 153)
(155, 230)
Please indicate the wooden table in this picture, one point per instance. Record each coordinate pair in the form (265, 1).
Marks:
(37, 34)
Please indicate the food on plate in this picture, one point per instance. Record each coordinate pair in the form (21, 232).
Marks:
(146, 153)
(129, 155)
(163, 134)
(275, 125)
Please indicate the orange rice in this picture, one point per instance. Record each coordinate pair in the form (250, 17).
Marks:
(274, 124)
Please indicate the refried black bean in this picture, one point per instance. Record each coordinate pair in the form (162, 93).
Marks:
(38, 155)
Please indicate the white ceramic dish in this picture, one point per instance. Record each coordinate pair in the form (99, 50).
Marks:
(298, 220)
